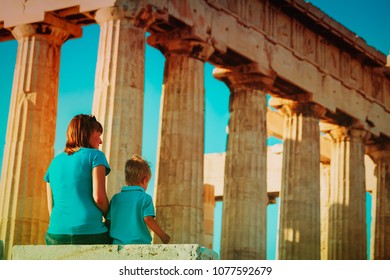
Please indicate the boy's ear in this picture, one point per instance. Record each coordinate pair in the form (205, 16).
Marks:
(145, 180)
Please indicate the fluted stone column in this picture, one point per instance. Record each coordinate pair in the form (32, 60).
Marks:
(179, 188)
(299, 215)
(30, 135)
(208, 215)
(245, 190)
(324, 202)
(119, 89)
(347, 202)
(380, 229)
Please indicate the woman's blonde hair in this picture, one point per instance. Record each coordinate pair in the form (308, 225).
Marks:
(136, 169)
(79, 131)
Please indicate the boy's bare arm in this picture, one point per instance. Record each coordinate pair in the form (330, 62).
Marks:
(152, 224)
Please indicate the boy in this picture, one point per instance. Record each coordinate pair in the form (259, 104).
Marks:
(131, 210)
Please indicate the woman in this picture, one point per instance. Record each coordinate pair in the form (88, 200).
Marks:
(76, 189)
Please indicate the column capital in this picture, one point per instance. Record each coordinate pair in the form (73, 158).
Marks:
(289, 107)
(27, 30)
(140, 13)
(109, 13)
(181, 42)
(378, 151)
(253, 75)
(53, 25)
(342, 133)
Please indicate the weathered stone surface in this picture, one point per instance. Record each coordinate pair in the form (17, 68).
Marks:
(113, 252)
(119, 91)
(380, 229)
(313, 55)
(30, 135)
(214, 166)
(324, 210)
(245, 188)
(347, 201)
(208, 215)
(179, 189)
(299, 216)
(299, 52)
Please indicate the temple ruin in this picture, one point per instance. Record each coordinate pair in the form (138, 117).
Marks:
(331, 90)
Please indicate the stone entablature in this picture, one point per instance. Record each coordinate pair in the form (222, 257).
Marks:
(215, 165)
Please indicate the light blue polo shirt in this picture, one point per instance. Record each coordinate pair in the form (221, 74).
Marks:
(70, 177)
(127, 211)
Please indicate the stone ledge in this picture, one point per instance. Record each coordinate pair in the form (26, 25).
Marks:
(113, 252)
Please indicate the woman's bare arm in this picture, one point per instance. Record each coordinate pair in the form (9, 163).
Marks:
(49, 198)
(99, 188)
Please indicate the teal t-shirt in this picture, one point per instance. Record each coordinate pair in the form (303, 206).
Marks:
(127, 211)
(70, 177)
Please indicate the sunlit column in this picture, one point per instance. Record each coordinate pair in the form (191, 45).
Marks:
(119, 89)
(208, 222)
(245, 190)
(299, 216)
(179, 188)
(324, 203)
(380, 229)
(347, 201)
(30, 135)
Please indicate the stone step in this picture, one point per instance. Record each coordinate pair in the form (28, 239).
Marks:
(113, 252)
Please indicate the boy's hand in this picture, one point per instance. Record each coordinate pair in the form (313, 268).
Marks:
(165, 238)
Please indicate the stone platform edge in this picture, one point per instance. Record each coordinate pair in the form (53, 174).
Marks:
(113, 252)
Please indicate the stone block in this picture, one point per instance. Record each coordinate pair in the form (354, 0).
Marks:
(113, 252)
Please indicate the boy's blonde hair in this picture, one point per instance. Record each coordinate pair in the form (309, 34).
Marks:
(136, 169)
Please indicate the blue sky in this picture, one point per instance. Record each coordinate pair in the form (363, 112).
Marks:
(368, 19)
